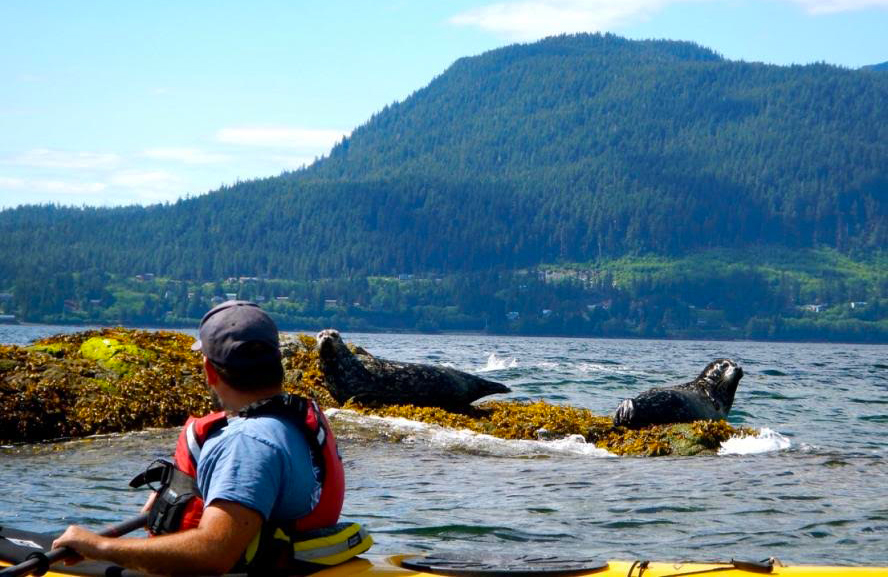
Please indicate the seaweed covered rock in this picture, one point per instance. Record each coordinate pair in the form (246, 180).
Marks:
(115, 380)
(541, 420)
(98, 381)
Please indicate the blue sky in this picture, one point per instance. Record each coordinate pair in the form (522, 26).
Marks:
(110, 103)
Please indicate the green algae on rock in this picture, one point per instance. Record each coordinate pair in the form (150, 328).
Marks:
(683, 439)
(115, 355)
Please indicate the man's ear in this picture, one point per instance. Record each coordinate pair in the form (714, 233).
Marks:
(210, 371)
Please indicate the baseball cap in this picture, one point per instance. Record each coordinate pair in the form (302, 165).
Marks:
(227, 328)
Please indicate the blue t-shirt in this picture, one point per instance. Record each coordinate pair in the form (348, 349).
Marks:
(263, 463)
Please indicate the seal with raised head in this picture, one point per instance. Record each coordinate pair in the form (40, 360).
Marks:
(370, 380)
(708, 397)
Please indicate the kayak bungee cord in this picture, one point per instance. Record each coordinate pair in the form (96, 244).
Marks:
(766, 566)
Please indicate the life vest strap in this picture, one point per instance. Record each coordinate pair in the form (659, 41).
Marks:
(276, 549)
(332, 545)
(193, 445)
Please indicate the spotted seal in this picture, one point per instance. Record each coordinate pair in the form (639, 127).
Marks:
(370, 380)
(709, 396)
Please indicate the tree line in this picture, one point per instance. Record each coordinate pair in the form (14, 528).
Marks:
(576, 149)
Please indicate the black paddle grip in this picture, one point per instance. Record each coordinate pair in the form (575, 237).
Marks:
(38, 563)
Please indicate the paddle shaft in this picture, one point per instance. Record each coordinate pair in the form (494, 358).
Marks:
(42, 561)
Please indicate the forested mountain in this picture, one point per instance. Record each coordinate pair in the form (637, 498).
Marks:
(574, 149)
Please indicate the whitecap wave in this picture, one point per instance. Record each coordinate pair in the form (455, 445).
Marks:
(494, 363)
(765, 441)
(471, 442)
(600, 368)
(407, 431)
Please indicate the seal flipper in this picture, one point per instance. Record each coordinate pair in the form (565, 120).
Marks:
(624, 413)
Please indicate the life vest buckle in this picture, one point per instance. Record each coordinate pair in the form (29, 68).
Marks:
(276, 550)
(159, 473)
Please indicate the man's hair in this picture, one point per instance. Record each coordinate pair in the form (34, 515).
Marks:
(262, 375)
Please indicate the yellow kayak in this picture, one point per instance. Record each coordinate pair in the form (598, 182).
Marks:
(16, 546)
(370, 566)
(394, 566)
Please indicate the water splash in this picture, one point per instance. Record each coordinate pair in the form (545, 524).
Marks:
(494, 363)
(766, 441)
(406, 431)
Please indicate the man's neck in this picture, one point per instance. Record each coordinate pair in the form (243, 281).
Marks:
(234, 401)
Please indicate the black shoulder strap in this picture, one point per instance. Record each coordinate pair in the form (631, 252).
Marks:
(286, 405)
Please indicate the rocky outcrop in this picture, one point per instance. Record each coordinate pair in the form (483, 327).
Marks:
(116, 380)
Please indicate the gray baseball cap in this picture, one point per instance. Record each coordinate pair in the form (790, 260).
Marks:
(228, 327)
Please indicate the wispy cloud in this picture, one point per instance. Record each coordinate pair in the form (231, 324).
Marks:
(10, 182)
(833, 6)
(280, 137)
(533, 19)
(47, 158)
(145, 186)
(63, 187)
(186, 155)
(42, 185)
(143, 178)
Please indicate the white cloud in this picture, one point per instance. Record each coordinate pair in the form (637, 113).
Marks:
(145, 186)
(149, 178)
(15, 191)
(534, 19)
(61, 186)
(47, 158)
(186, 155)
(833, 6)
(53, 186)
(280, 137)
(10, 182)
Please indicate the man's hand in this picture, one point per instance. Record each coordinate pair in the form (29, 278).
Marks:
(212, 548)
(83, 541)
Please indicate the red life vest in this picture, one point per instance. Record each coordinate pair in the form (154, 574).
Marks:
(313, 424)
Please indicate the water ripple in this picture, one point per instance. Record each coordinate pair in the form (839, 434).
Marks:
(821, 501)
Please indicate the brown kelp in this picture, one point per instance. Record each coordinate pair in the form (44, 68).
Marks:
(115, 380)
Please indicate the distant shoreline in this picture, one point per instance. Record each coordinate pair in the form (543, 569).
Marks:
(311, 332)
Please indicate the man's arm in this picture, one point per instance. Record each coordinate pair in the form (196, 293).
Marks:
(225, 530)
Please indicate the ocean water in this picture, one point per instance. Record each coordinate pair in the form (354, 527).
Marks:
(812, 487)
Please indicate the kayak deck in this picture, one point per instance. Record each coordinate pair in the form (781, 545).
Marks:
(380, 566)
(16, 545)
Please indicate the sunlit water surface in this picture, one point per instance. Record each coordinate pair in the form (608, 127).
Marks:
(813, 488)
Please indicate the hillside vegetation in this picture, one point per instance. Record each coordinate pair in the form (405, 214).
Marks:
(576, 153)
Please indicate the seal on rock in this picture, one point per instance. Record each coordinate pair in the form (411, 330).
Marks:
(708, 397)
(371, 380)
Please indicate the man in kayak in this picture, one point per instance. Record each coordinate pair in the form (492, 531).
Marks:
(251, 469)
